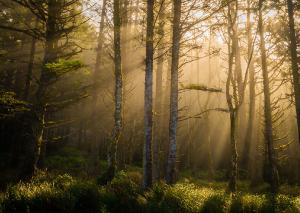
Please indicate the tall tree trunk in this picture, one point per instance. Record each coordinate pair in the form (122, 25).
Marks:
(148, 96)
(97, 70)
(295, 69)
(158, 94)
(30, 65)
(267, 107)
(171, 163)
(118, 116)
(37, 124)
(166, 103)
(232, 102)
(250, 125)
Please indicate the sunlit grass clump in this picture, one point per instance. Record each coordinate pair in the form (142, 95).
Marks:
(44, 194)
(63, 193)
(185, 197)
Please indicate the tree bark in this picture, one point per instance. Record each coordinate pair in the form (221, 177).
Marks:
(149, 96)
(267, 107)
(37, 123)
(158, 94)
(171, 162)
(30, 65)
(118, 115)
(295, 68)
(232, 101)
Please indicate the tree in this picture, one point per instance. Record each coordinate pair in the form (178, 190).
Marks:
(158, 90)
(118, 115)
(59, 24)
(171, 161)
(295, 69)
(30, 65)
(97, 70)
(250, 124)
(267, 107)
(149, 96)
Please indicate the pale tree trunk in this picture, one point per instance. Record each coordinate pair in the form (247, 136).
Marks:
(148, 96)
(250, 125)
(267, 108)
(171, 162)
(30, 65)
(233, 149)
(118, 115)
(232, 102)
(158, 94)
(295, 69)
(97, 70)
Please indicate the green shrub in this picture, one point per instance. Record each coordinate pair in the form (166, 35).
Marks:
(123, 195)
(62, 194)
(297, 203)
(285, 204)
(215, 204)
(87, 197)
(185, 197)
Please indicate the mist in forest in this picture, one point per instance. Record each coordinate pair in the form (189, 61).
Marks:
(202, 92)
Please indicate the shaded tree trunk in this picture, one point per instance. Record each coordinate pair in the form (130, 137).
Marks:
(171, 162)
(30, 65)
(97, 71)
(149, 96)
(267, 108)
(37, 123)
(118, 115)
(295, 68)
(250, 124)
(158, 94)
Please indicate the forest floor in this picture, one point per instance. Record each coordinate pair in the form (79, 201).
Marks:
(68, 186)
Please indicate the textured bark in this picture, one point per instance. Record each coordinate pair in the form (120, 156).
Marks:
(295, 68)
(234, 154)
(37, 123)
(158, 94)
(231, 101)
(171, 163)
(250, 124)
(97, 72)
(148, 96)
(118, 115)
(267, 108)
(30, 65)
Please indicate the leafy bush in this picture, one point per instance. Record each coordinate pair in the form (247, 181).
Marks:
(185, 197)
(62, 194)
(123, 195)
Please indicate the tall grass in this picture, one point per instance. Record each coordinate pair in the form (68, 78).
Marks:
(65, 194)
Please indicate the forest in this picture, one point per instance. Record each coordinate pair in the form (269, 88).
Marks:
(149, 106)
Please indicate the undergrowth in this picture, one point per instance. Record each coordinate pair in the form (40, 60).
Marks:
(64, 193)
